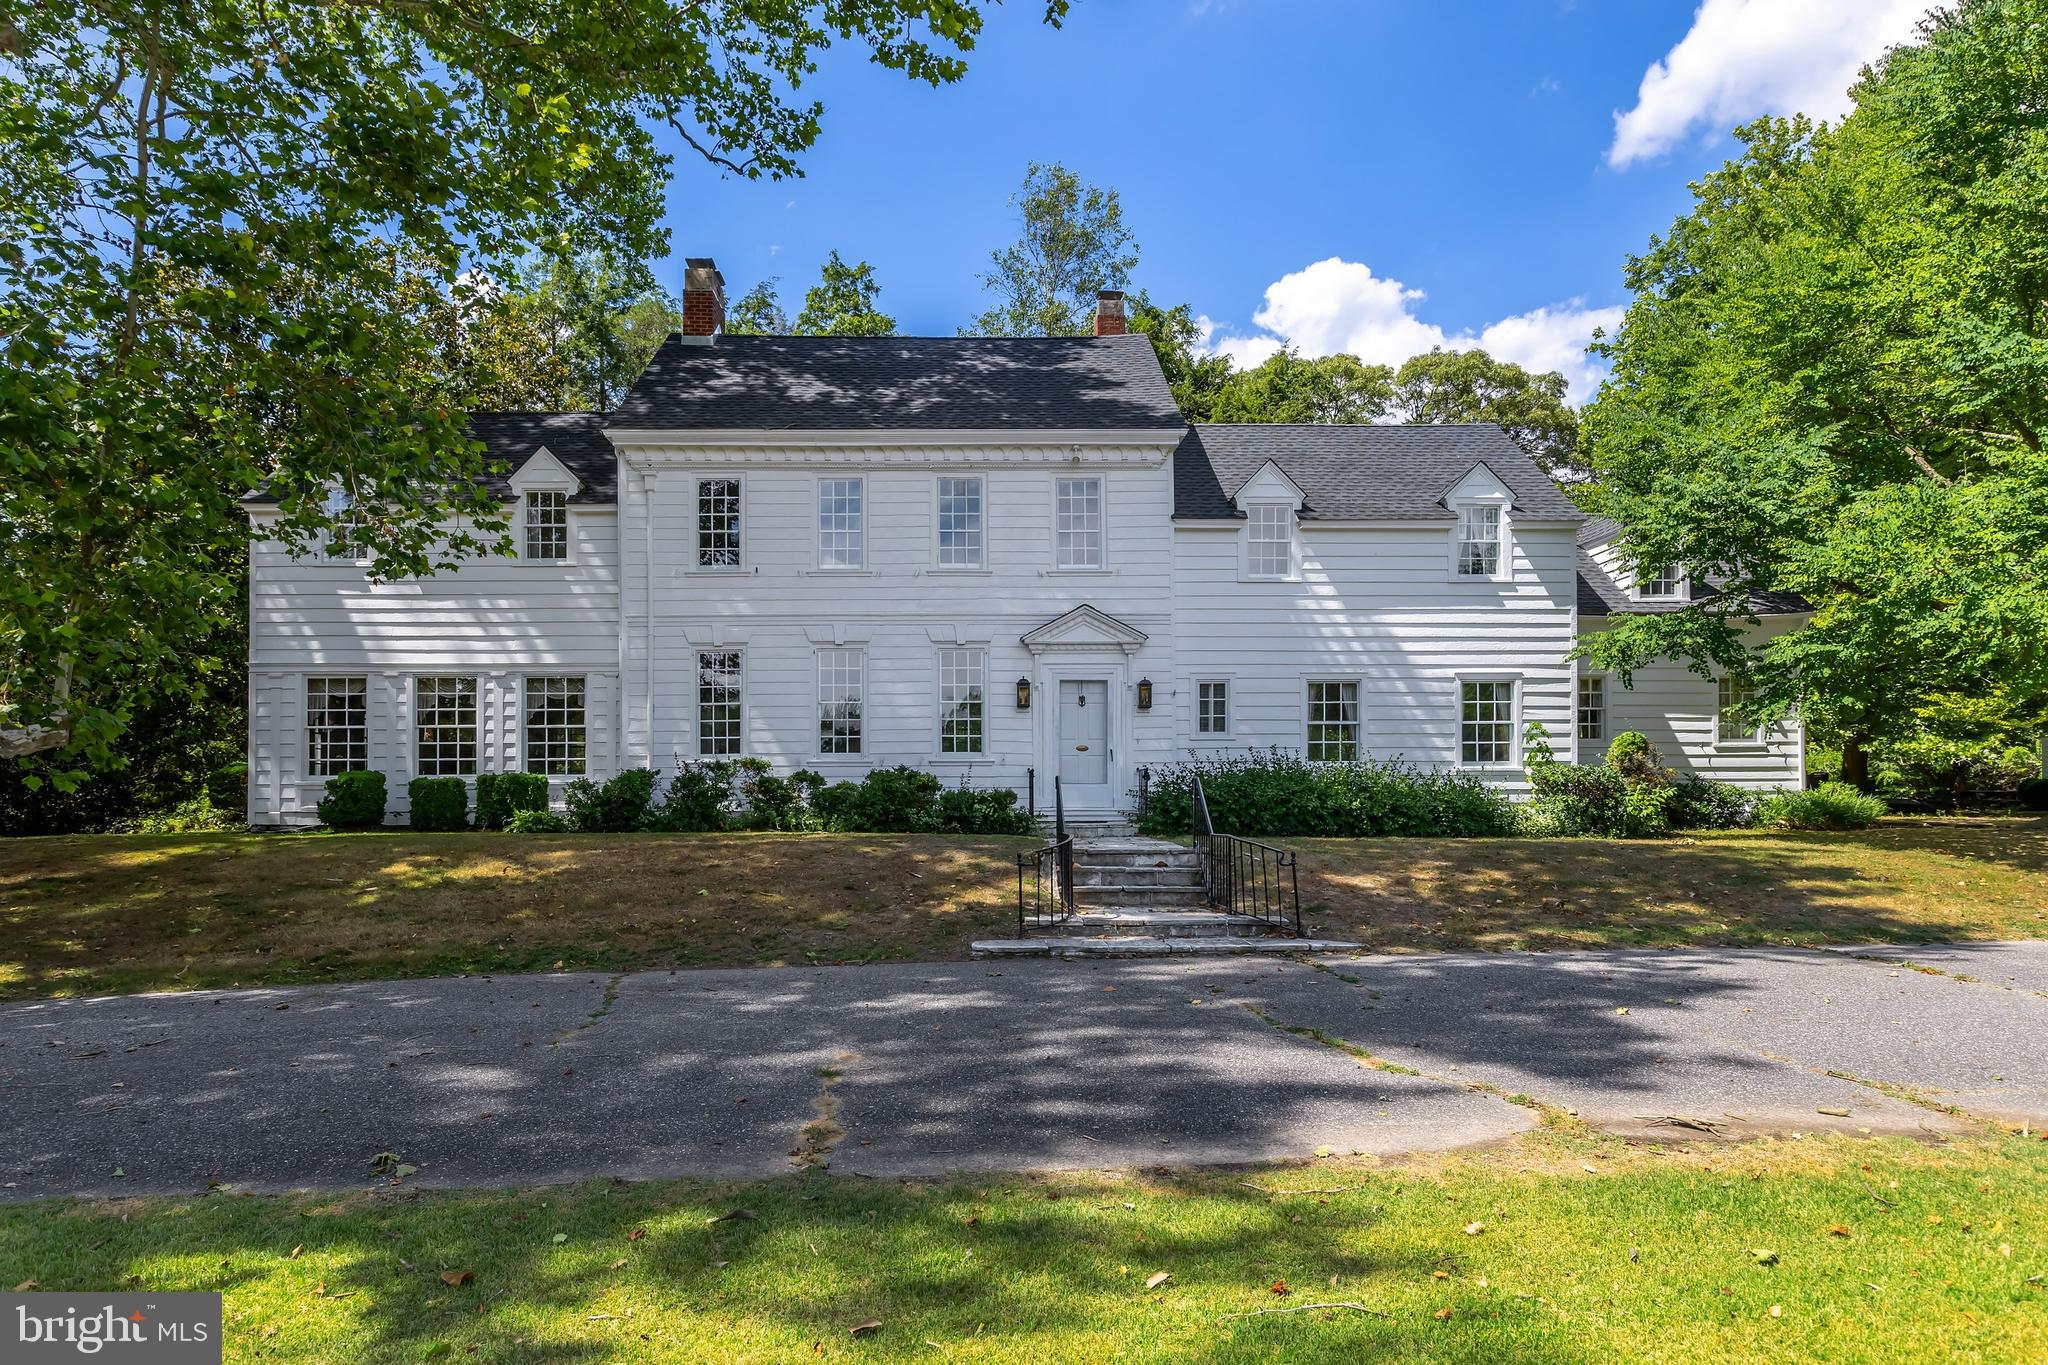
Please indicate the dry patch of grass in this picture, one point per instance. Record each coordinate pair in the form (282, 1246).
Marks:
(1904, 881)
(131, 913)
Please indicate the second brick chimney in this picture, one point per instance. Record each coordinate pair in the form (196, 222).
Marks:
(1109, 313)
(703, 298)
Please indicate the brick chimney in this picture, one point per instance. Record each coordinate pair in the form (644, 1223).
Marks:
(1109, 313)
(703, 298)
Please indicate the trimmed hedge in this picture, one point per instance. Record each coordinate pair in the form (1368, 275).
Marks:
(438, 803)
(619, 806)
(500, 795)
(353, 801)
(1278, 794)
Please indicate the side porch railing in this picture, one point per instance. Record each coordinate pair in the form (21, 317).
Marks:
(1045, 876)
(1246, 877)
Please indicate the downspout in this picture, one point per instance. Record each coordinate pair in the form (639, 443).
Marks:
(647, 505)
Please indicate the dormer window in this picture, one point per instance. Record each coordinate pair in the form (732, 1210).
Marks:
(1269, 540)
(547, 524)
(1661, 585)
(1479, 540)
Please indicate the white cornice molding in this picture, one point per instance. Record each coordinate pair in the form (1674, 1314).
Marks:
(644, 448)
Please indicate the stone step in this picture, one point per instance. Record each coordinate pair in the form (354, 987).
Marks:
(1164, 924)
(1089, 875)
(1136, 945)
(1143, 895)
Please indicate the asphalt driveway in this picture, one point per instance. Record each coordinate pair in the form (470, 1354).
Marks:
(930, 1068)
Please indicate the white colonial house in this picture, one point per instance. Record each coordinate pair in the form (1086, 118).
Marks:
(999, 560)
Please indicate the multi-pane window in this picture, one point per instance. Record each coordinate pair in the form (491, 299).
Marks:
(1332, 722)
(1479, 541)
(1735, 712)
(1212, 707)
(547, 524)
(840, 526)
(337, 725)
(960, 523)
(339, 506)
(1660, 583)
(839, 700)
(445, 726)
(1270, 551)
(1077, 524)
(718, 523)
(963, 691)
(1487, 722)
(718, 703)
(555, 726)
(1592, 707)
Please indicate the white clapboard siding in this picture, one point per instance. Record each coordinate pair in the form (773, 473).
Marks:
(1675, 708)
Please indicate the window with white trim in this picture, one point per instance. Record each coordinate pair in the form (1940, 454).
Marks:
(1735, 719)
(1486, 722)
(547, 524)
(841, 685)
(1479, 527)
(337, 726)
(1077, 524)
(339, 506)
(1592, 706)
(444, 712)
(1661, 583)
(1212, 707)
(963, 696)
(960, 523)
(720, 680)
(842, 530)
(1332, 722)
(1269, 540)
(556, 731)
(718, 523)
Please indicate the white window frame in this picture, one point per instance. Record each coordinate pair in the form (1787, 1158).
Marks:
(527, 526)
(1598, 682)
(1514, 721)
(1308, 720)
(979, 657)
(1755, 738)
(1680, 587)
(337, 505)
(1292, 523)
(697, 564)
(980, 564)
(858, 531)
(566, 765)
(1101, 559)
(697, 703)
(831, 653)
(315, 767)
(1503, 557)
(475, 725)
(1224, 683)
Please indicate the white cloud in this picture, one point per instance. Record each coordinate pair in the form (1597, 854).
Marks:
(1341, 307)
(1742, 59)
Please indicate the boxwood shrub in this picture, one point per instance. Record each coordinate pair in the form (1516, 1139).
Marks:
(353, 801)
(499, 795)
(1274, 793)
(618, 806)
(536, 822)
(438, 803)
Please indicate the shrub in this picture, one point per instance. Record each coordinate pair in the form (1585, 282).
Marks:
(1580, 800)
(965, 810)
(1831, 805)
(353, 801)
(1277, 794)
(541, 821)
(699, 798)
(619, 806)
(782, 803)
(886, 801)
(197, 816)
(499, 795)
(1700, 804)
(438, 803)
(2033, 793)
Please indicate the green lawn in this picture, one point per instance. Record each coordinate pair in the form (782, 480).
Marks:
(1560, 1247)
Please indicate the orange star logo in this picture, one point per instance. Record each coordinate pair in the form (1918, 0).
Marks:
(136, 1316)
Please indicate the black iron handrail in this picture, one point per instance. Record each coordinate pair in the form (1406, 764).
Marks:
(1046, 897)
(1245, 877)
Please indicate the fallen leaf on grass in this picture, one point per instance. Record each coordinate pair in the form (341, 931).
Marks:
(1777, 1310)
(616, 1264)
(1764, 1256)
(636, 1234)
(25, 1287)
(735, 1216)
(1443, 1315)
(296, 1250)
(861, 1329)
(455, 1279)
(1474, 1229)
(1278, 1287)
(1157, 1279)
(1838, 1230)
(559, 1238)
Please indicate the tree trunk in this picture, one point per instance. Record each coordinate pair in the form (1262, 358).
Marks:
(1855, 764)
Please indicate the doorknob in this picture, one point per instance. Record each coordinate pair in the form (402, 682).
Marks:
(1080, 748)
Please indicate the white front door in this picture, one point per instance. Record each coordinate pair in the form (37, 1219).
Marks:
(1085, 768)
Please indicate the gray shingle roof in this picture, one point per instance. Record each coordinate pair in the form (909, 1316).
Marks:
(1600, 595)
(577, 439)
(1383, 472)
(778, 383)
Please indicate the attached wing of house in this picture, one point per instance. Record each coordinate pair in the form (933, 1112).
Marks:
(1000, 560)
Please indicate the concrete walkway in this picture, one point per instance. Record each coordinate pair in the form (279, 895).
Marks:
(930, 1068)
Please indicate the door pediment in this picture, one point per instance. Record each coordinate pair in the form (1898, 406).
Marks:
(1084, 628)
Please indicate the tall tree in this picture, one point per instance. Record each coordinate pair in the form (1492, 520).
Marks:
(1295, 388)
(1074, 243)
(1194, 375)
(842, 303)
(604, 316)
(1472, 386)
(758, 312)
(198, 291)
(1834, 382)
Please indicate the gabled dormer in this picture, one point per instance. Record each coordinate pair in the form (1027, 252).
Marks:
(1271, 504)
(1481, 506)
(542, 487)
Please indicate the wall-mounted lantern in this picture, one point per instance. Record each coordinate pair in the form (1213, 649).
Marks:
(1023, 694)
(1144, 694)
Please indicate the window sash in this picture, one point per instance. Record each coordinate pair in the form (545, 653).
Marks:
(840, 687)
(1479, 542)
(547, 524)
(1269, 551)
(1593, 708)
(1332, 722)
(444, 726)
(718, 523)
(1077, 524)
(340, 507)
(1732, 724)
(1486, 734)
(721, 682)
(556, 726)
(841, 524)
(963, 700)
(960, 523)
(1212, 708)
(337, 726)
(1660, 583)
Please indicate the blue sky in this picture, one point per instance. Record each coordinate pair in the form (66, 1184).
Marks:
(1367, 175)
